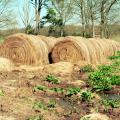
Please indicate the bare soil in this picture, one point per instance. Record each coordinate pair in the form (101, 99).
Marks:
(19, 97)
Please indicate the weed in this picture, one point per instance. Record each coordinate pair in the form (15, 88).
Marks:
(99, 81)
(59, 90)
(51, 103)
(115, 80)
(86, 96)
(2, 93)
(39, 105)
(87, 68)
(36, 118)
(72, 91)
(52, 79)
(111, 103)
(105, 69)
(42, 88)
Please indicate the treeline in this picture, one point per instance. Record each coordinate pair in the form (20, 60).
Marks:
(95, 17)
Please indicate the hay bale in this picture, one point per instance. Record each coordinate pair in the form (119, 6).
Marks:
(70, 50)
(93, 51)
(50, 41)
(6, 64)
(25, 49)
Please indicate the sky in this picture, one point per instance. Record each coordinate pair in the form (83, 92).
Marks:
(18, 8)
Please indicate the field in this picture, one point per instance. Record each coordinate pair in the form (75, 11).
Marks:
(61, 91)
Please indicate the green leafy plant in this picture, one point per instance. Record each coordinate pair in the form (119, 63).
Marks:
(59, 90)
(86, 96)
(52, 79)
(115, 79)
(105, 69)
(39, 105)
(99, 81)
(87, 68)
(36, 118)
(72, 91)
(42, 88)
(111, 103)
(51, 103)
(114, 57)
(2, 93)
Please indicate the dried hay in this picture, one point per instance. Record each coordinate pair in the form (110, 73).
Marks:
(93, 51)
(50, 41)
(25, 49)
(6, 64)
(70, 50)
(95, 116)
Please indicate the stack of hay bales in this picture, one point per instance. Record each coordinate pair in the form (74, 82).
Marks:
(93, 51)
(25, 49)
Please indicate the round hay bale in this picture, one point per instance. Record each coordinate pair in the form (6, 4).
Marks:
(50, 41)
(70, 50)
(91, 50)
(25, 49)
(6, 64)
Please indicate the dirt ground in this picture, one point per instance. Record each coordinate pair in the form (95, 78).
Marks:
(18, 97)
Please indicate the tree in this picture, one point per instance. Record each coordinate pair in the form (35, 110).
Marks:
(52, 19)
(7, 18)
(38, 4)
(87, 11)
(26, 18)
(105, 8)
(64, 12)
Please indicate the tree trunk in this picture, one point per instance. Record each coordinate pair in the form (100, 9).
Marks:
(93, 29)
(83, 19)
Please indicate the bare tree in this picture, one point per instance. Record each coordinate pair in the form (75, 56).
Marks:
(80, 10)
(7, 18)
(64, 10)
(38, 4)
(105, 8)
(25, 15)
